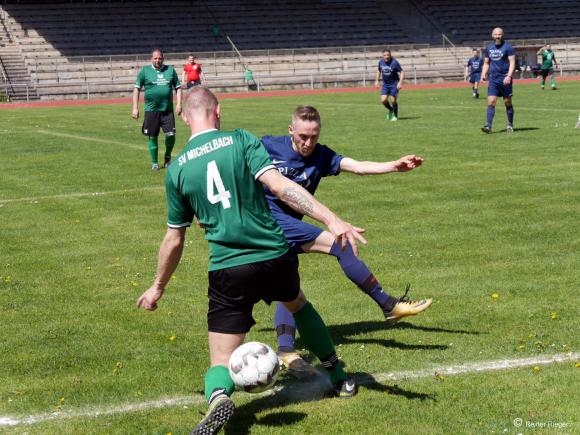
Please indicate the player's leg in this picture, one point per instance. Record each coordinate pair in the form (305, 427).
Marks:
(509, 108)
(357, 271)
(394, 104)
(151, 127)
(168, 125)
(552, 79)
(544, 74)
(385, 101)
(491, 102)
(317, 339)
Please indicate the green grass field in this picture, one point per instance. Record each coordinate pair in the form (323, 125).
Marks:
(488, 227)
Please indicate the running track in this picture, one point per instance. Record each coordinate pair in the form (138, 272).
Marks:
(258, 94)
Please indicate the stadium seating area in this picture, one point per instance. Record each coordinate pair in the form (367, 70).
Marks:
(467, 21)
(292, 43)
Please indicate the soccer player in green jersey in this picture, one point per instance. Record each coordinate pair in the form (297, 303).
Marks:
(549, 62)
(158, 81)
(218, 180)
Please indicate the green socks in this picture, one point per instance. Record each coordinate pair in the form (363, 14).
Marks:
(218, 378)
(153, 147)
(317, 339)
(552, 81)
(169, 144)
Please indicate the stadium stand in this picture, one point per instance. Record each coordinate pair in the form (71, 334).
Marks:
(88, 48)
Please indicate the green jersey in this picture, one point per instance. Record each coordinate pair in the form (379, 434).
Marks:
(158, 85)
(215, 179)
(548, 58)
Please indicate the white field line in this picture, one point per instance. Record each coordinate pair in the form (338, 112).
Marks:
(197, 399)
(92, 139)
(80, 194)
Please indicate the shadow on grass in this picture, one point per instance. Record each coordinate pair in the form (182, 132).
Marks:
(301, 392)
(520, 129)
(406, 325)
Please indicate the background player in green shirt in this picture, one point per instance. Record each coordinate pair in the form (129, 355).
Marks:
(158, 81)
(218, 180)
(548, 64)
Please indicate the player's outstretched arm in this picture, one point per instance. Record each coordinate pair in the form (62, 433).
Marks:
(169, 256)
(404, 164)
(178, 99)
(303, 202)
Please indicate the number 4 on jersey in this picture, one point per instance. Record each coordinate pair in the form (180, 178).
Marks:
(214, 179)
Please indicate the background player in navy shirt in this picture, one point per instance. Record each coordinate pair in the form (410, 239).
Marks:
(302, 159)
(500, 61)
(393, 76)
(473, 71)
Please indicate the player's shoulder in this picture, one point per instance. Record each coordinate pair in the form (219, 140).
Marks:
(275, 142)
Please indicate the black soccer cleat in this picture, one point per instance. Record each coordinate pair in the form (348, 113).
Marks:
(486, 129)
(346, 388)
(219, 413)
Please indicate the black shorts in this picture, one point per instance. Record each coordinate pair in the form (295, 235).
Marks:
(546, 72)
(193, 83)
(233, 291)
(155, 120)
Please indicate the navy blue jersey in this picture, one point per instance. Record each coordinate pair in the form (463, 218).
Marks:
(475, 64)
(306, 171)
(498, 59)
(390, 70)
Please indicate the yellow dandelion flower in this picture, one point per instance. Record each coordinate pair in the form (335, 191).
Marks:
(537, 369)
(554, 315)
(172, 338)
(577, 365)
(134, 283)
(495, 295)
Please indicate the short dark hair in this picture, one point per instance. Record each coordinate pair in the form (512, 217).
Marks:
(155, 50)
(305, 113)
(386, 50)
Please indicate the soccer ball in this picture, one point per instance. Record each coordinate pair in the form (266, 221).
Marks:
(254, 367)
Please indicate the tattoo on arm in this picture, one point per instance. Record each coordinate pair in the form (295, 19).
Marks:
(297, 200)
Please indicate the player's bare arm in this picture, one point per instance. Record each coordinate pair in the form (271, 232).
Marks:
(377, 77)
(303, 202)
(404, 164)
(169, 257)
(135, 113)
(401, 78)
(178, 103)
(485, 69)
(508, 78)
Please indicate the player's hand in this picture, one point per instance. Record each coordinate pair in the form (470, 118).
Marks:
(344, 233)
(399, 86)
(135, 114)
(408, 163)
(376, 84)
(507, 80)
(178, 109)
(483, 78)
(148, 300)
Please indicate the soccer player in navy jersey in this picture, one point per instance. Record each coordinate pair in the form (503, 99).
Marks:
(302, 159)
(500, 62)
(392, 73)
(473, 71)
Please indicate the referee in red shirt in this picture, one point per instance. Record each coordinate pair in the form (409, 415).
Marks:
(192, 74)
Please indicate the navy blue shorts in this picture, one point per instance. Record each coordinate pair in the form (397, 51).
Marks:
(498, 89)
(475, 78)
(297, 232)
(390, 89)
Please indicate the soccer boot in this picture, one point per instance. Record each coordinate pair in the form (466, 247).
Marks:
(554, 88)
(346, 389)
(166, 162)
(486, 129)
(390, 115)
(296, 365)
(218, 414)
(154, 167)
(542, 88)
(578, 124)
(394, 117)
(477, 95)
(509, 129)
(406, 307)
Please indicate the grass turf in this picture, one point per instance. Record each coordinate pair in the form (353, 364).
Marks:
(487, 227)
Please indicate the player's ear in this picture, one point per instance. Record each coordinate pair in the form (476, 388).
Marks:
(290, 129)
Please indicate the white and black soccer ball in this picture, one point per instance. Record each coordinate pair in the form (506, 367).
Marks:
(254, 367)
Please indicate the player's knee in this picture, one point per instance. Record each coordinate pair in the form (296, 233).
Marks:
(297, 304)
